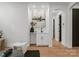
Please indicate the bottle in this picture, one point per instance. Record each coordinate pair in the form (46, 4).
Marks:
(32, 29)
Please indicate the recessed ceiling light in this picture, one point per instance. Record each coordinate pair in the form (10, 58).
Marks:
(42, 6)
(34, 6)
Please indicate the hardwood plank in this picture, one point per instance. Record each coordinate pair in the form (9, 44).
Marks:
(57, 50)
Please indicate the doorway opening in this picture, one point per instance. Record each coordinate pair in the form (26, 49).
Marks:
(60, 28)
(38, 26)
(57, 16)
(57, 43)
(53, 28)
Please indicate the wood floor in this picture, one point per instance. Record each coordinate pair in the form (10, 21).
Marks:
(57, 50)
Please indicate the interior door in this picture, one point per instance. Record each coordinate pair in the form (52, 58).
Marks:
(75, 27)
(60, 27)
(53, 28)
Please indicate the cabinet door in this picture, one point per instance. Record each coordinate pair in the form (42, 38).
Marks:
(38, 40)
(44, 38)
(33, 38)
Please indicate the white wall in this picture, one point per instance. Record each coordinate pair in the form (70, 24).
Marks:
(76, 5)
(14, 22)
(68, 28)
(38, 6)
(57, 27)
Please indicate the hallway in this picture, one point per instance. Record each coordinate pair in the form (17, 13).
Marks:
(57, 50)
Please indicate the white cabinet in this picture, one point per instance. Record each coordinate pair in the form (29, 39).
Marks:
(33, 38)
(42, 39)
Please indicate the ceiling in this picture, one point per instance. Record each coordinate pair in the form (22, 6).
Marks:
(61, 3)
(55, 3)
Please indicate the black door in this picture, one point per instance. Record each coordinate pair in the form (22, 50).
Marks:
(75, 27)
(53, 28)
(60, 27)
